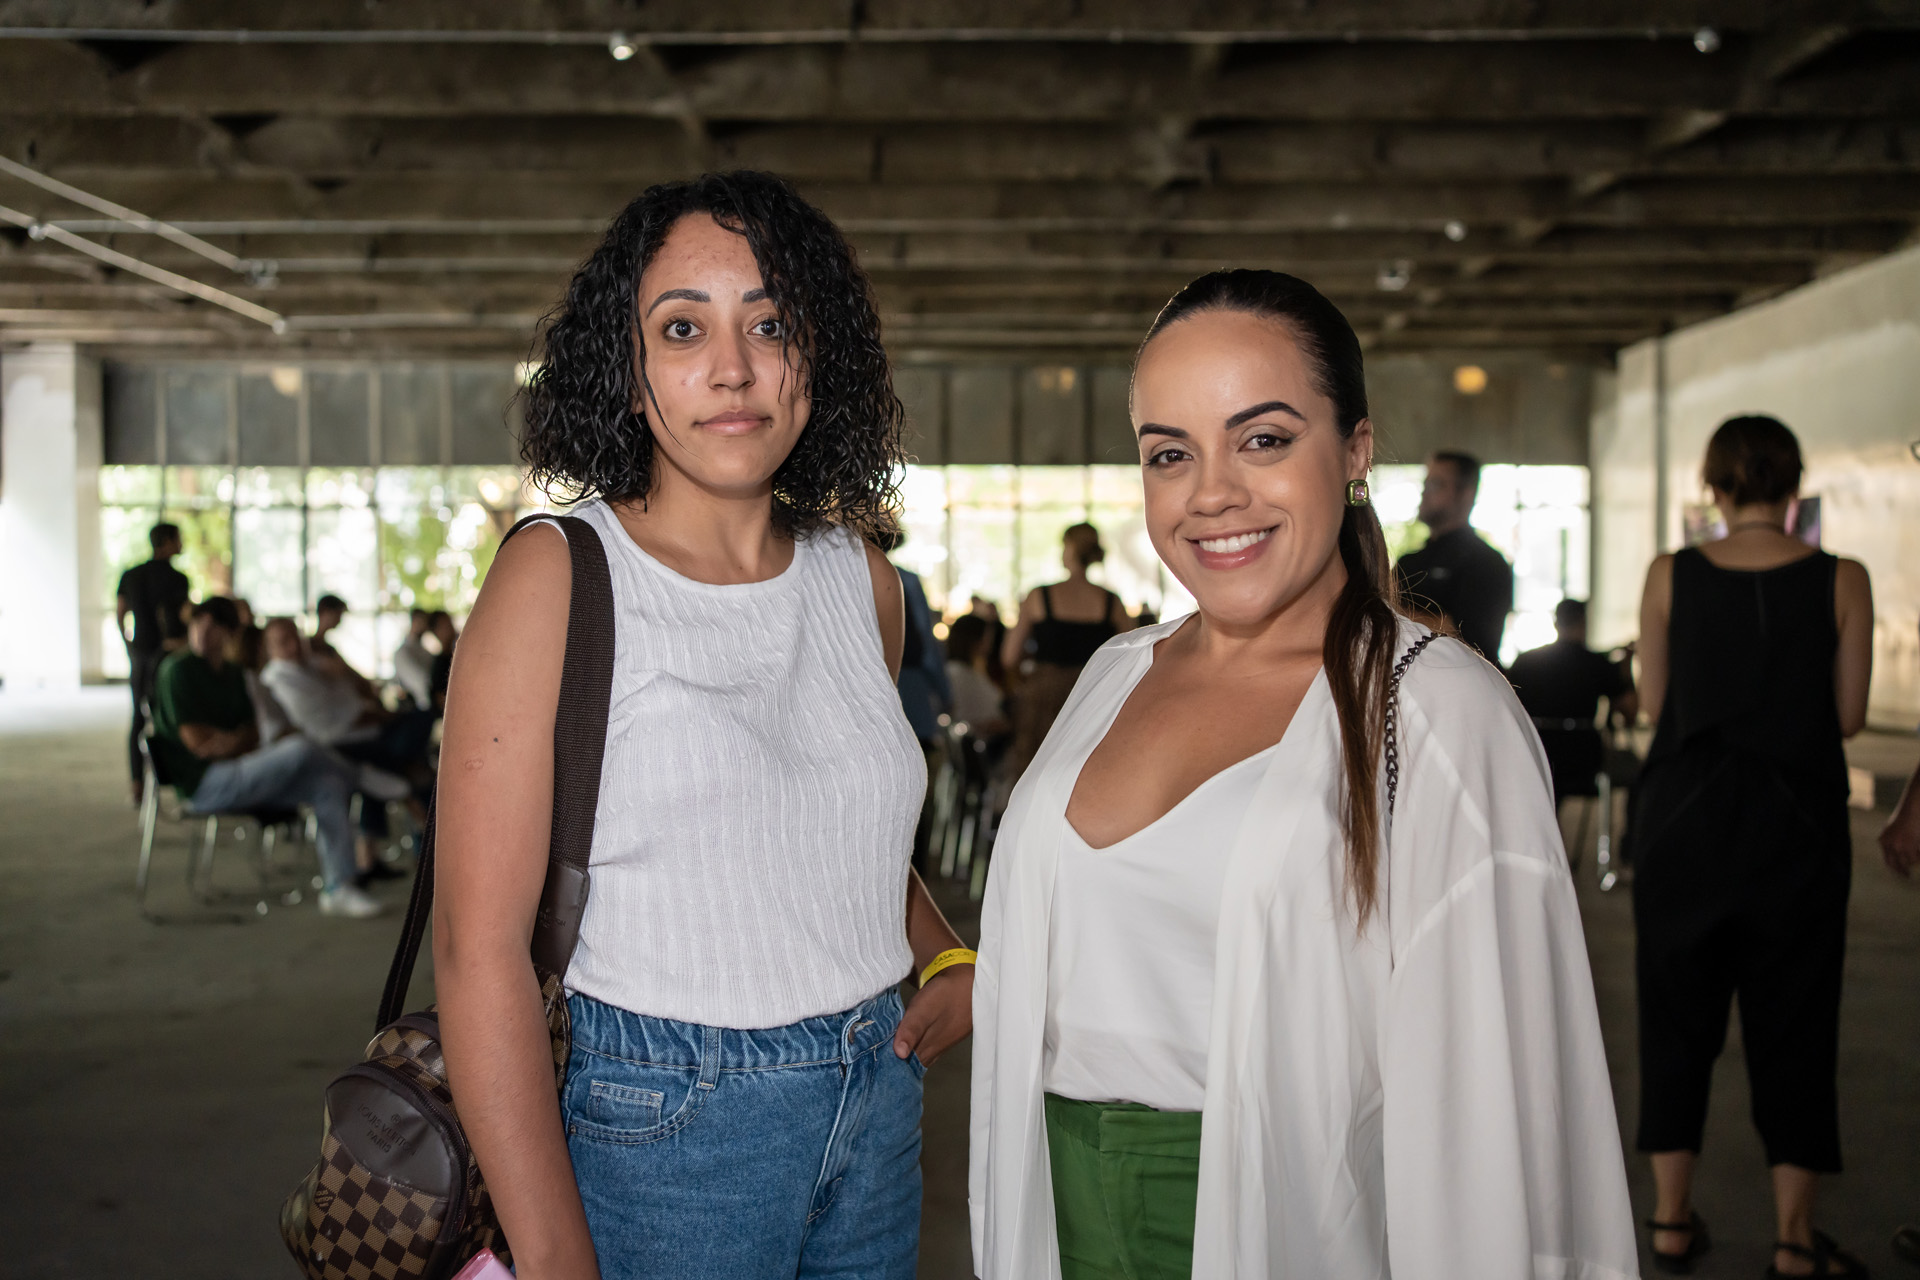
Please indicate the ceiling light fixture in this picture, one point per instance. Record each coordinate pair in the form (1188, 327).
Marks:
(621, 46)
(1469, 379)
(1455, 230)
(1394, 276)
(1706, 40)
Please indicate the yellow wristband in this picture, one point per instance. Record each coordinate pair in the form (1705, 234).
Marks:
(946, 960)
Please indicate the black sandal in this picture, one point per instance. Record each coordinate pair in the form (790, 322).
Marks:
(1698, 1245)
(1824, 1253)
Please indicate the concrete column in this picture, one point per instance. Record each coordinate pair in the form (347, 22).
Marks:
(50, 588)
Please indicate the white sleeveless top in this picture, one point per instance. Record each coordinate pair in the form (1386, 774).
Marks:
(758, 796)
(1130, 965)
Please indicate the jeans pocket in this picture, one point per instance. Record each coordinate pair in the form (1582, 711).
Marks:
(919, 1067)
(622, 1106)
(626, 1102)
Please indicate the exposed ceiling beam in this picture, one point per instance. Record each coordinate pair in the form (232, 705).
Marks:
(881, 84)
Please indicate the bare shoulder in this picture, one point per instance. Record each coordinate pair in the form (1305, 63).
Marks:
(886, 578)
(1852, 588)
(526, 593)
(1660, 572)
(1851, 576)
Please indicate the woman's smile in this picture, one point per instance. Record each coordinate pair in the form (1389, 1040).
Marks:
(1231, 550)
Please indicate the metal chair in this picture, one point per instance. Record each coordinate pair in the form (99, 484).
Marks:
(1586, 766)
(963, 813)
(204, 837)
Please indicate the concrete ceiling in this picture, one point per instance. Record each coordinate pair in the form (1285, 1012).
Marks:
(1028, 177)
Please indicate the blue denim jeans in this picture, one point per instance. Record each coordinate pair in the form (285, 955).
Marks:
(293, 771)
(746, 1155)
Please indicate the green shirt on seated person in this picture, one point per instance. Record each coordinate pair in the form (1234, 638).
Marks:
(188, 690)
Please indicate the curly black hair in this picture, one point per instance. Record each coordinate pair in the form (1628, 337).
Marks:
(583, 437)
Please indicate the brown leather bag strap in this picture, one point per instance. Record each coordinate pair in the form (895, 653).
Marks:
(579, 746)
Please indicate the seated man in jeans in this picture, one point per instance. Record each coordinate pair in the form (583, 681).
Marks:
(206, 739)
(336, 713)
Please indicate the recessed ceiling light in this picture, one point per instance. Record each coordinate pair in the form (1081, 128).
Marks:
(621, 46)
(1706, 40)
(1455, 230)
(1469, 379)
(1394, 276)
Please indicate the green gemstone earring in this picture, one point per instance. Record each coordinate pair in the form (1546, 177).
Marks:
(1358, 495)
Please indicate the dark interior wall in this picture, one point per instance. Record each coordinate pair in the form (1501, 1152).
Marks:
(1530, 411)
(459, 413)
(463, 412)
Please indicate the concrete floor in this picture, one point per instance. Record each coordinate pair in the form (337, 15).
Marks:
(162, 1082)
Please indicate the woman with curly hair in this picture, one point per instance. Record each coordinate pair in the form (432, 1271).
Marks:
(744, 1092)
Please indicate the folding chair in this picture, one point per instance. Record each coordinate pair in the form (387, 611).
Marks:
(1577, 758)
(203, 836)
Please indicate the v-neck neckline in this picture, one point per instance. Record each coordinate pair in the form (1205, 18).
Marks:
(1120, 704)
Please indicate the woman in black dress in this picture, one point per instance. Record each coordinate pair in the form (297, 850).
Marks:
(1755, 654)
(1059, 627)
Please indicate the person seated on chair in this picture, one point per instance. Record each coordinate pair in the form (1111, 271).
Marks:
(1561, 685)
(440, 627)
(337, 713)
(206, 741)
(413, 661)
(977, 700)
(1566, 680)
(328, 611)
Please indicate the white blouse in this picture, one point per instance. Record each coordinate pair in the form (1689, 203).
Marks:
(1130, 971)
(1427, 1099)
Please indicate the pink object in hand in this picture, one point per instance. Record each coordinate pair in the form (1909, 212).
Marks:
(484, 1266)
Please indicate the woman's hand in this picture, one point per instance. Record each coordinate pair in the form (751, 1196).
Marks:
(939, 1016)
(1899, 839)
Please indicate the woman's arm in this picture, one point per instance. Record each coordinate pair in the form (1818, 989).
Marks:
(495, 809)
(1117, 614)
(940, 1014)
(1656, 607)
(1015, 645)
(1853, 661)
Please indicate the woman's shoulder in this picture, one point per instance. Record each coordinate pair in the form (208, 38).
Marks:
(1460, 694)
(1128, 641)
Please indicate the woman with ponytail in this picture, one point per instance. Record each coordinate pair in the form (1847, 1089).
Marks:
(1281, 973)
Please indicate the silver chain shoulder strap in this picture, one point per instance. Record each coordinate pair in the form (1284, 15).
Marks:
(1393, 720)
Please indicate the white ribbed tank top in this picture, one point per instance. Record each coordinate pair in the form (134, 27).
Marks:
(758, 796)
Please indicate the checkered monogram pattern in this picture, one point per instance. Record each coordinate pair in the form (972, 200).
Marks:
(358, 1226)
(358, 1217)
(346, 1222)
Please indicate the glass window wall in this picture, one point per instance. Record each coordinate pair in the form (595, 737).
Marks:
(389, 539)
(386, 540)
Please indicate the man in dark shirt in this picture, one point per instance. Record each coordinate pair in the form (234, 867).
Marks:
(155, 594)
(207, 746)
(1561, 685)
(1456, 575)
(1565, 680)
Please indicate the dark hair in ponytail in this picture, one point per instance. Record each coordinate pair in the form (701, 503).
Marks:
(1362, 633)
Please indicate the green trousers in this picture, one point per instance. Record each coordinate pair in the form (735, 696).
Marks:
(1124, 1178)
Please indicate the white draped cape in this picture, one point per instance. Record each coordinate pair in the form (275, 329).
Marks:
(1428, 1099)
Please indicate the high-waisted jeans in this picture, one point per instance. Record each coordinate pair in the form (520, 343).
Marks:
(746, 1155)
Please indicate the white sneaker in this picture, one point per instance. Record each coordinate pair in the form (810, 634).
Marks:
(382, 785)
(354, 904)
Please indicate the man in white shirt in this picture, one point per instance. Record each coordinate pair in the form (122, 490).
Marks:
(413, 661)
(325, 708)
(332, 711)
